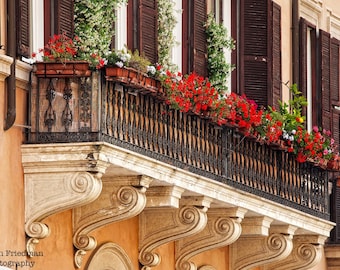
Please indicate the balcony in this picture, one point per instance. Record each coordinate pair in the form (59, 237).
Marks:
(99, 110)
(114, 127)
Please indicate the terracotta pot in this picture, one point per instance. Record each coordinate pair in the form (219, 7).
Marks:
(332, 165)
(62, 69)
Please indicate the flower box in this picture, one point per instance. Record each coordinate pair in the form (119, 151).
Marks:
(62, 69)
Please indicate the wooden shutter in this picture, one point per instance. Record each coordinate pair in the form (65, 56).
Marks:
(276, 69)
(334, 87)
(326, 106)
(148, 29)
(199, 50)
(23, 27)
(255, 52)
(64, 17)
(303, 57)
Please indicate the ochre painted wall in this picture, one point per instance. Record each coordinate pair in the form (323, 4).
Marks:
(12, 236)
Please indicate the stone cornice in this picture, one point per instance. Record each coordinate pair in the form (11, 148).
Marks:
(220, 192)
(5, 63)
(99, 154)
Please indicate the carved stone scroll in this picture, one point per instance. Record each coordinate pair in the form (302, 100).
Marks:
(49, 193)
(307, 252)
(256, 248)
(120, 199)
(223, 228)
(163, 225)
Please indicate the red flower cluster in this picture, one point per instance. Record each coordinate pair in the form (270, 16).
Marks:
(192, 93)
(59, 47)
(316, 145)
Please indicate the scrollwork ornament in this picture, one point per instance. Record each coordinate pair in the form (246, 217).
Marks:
(189, 215)
(307, 252)
(276, 242)
(85, 242)
(149, 259)
(78, 258)
(127, 195)
(81, 182)
(30, 246)
(37, 230)
(186, 265)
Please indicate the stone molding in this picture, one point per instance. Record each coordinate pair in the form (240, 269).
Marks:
(121, 198)
(159, 226)
(223, 228)
(307, 252)
(5, 66)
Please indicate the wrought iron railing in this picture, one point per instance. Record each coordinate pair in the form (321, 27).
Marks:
(95, 109)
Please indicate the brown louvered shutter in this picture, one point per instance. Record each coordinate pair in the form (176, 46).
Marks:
(64, 17)
(326, 106)
(199, 50)
(276, 70)
(334, 87)
(148, 29)
(255, 63)
(303, 57)
(23, 27)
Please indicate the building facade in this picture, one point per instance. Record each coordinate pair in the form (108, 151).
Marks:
(98, 174)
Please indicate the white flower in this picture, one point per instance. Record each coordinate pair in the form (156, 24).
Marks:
(120, 64)
(291, 138)
(151, 70)
(293, 131)
(285, 136)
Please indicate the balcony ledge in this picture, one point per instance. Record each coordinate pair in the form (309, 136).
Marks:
(120, 161)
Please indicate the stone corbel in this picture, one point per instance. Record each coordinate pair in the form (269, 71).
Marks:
(162, 225)
(307, 252)
(121, 198)
(223, 228)
(50, 193)
(57, 178)
(257, 246)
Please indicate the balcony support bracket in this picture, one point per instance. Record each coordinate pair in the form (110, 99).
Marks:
(307, 252)
(162, 225)
(57, 179)
(121, 198)
(223, 229)
(259, 246)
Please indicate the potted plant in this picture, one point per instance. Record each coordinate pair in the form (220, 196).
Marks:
(58, 58)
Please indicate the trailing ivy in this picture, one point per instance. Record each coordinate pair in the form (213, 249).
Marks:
(218, 42)
(94, 20)
(166, 38)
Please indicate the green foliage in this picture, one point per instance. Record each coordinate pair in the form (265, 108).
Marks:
(218, 42)
(139, 62)
(292, 112)
(166, 38)
(94, 25)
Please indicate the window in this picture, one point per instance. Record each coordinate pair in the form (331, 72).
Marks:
(142, 27)
(308, 72)
(194, 38)
(256, 27)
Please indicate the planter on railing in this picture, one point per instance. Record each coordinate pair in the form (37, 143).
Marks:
(135, 79)
(62, 69)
